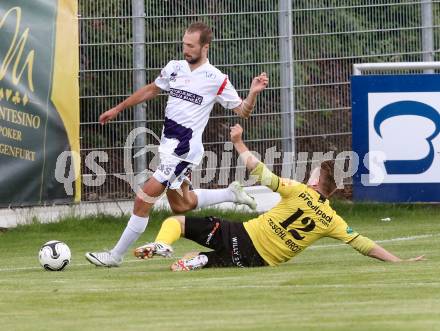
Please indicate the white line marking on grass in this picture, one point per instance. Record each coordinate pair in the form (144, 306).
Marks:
(344, 285)
(72, 265)
(208, 286)
(409, 238)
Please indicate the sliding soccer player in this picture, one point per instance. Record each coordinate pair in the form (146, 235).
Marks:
(303, 216)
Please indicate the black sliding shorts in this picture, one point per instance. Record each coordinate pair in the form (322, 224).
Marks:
(231, 244)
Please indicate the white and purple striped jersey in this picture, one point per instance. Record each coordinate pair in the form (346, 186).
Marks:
(192, 95)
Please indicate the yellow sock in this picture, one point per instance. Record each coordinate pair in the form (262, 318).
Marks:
(169, 231)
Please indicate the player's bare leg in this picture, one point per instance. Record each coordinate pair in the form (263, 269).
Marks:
(145, 199)
(137, 224)
(182, 200)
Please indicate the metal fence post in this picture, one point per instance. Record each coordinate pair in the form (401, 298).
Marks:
(139, 78)
(286, 76)
(427, 34)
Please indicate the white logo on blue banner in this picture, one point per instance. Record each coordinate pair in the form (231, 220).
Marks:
(404, 139)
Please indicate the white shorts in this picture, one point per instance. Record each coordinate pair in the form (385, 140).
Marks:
(172, 172)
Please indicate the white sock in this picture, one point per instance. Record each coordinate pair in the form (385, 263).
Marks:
(212, 197)
(135, 227)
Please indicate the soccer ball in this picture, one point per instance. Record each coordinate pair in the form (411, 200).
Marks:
(54, 255)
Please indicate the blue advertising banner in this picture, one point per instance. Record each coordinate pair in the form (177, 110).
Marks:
(396, 126)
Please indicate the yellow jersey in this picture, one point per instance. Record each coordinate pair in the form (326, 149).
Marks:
(301, 217)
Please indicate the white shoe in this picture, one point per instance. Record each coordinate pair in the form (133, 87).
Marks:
(103, 259)
(149, 250)
(196, 262)
(241, 196)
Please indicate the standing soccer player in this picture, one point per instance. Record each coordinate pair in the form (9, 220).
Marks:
(194, 86)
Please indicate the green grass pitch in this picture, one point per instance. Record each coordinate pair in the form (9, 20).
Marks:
(328, 287)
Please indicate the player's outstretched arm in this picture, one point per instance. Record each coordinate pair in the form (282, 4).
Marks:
(143, 94)
(236, 138)
(258, 84)
(380, 253)
(369, 248)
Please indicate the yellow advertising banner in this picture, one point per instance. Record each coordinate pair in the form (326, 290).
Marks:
(39, 100)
